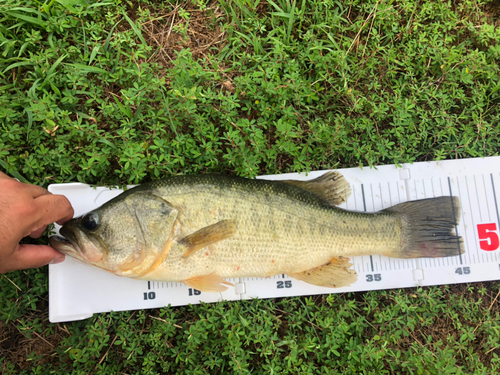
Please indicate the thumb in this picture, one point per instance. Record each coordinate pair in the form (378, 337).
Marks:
(34, 256)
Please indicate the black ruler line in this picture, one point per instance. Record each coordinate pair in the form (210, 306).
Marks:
(149, 285)
(364, 208)
(456, 228)
(477, 197)
(495, 198)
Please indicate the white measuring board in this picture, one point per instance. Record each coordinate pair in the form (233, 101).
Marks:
(77, 291)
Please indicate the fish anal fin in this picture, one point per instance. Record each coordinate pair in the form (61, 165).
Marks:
(208, 236)
(334, 274)
(331, 186)
(208, 283)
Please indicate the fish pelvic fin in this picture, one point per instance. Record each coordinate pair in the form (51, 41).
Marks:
(331, 186)
(334, 274)
(208, 283)
(428, 228)
(208, 236)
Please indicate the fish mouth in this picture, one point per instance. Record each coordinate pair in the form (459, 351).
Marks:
(60, 239)
(66, 242)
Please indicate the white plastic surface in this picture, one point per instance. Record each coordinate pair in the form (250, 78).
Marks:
(77, 291)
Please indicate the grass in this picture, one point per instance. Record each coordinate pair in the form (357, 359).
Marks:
(117, 92)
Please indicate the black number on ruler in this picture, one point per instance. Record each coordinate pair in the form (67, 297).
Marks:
(375, 277)
(284, 284)
(150, 295)
(194, 292)
(462, 270)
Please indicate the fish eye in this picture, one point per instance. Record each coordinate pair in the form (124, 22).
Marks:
(90, 221)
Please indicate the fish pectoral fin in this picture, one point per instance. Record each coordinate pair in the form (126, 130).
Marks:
(334, 274)
(331, 186)
(208, 283)
(208, 236)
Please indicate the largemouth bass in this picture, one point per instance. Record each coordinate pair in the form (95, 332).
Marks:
(199, 230)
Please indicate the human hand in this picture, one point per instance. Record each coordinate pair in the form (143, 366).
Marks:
(27, 210)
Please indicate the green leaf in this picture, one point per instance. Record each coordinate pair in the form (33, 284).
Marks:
(94, 54)
(108, 38)
(32, 20)
(83, 115)
(15, 65)
(12, 171)
(95, 5)
(105, 141)
(244, 322)
(134, 27)
(137, 113)
(27, 10)
(50, 72)
(125, 110)
(30, 122)
(69, 4)
(88, 69)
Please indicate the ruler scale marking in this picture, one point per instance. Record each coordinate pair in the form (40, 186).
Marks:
(486, 197)
(438, 260)
(383, 207)
(472, 215)
(495, 199)
(390, 200)
(462, 220)
(478, 201)
(373, 264)
(453, 209)
(364, 209)
(390, 196)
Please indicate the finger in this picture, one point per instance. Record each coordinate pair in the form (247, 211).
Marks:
(35, 191)
(33, 256)
(53, 208)
(3, 176)
(38, 232)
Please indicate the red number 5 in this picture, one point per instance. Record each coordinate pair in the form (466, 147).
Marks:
(488, 238)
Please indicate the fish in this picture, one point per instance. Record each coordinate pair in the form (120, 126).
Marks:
(203, 229)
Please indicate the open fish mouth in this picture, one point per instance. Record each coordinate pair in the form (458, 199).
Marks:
(60, 239)
(65, 243)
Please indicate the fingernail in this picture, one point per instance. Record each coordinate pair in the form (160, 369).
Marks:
(57, 260)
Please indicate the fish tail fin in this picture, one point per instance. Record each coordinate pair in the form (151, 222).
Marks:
(429, 228)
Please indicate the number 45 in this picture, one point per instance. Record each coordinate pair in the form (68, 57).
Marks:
(463, 270)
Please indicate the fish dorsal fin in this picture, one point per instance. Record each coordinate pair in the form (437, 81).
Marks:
(208, 236)
(331, 186)
(334, 274)
(207, 283)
